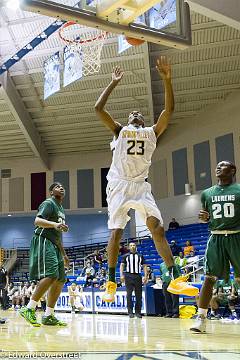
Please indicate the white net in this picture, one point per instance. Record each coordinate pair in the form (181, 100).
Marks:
(87, 42)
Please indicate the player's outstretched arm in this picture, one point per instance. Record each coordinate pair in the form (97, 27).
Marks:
(104, 115)
(164, 70)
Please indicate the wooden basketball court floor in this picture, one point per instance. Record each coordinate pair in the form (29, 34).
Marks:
(111, 337)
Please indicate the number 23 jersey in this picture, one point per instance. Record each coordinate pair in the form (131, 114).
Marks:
(132, 153)
(223, 205)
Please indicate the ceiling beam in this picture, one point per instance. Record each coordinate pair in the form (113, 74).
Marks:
(111, 61)
(87, 81)
(22, 117)
(203, 90)
(197, 48)
(112, 103)
(90, 91)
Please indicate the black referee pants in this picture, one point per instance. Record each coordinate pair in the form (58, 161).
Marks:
(171, 301)
(3, 298)
(134, 282)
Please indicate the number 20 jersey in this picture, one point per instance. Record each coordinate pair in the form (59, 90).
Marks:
(132, 153)
(223, 205)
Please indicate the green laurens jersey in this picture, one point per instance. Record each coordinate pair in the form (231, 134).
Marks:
(51, 210)
(223, 205)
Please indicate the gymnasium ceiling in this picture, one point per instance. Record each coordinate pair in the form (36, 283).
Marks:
(66, 123)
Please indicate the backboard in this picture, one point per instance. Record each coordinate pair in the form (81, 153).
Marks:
(165, 22)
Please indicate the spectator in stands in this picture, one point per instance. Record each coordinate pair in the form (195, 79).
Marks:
(181, 260)
(31, 289)
(16, 299)
(221, 291)
(27, 298)
(150, 276)
(12, 289)
(171, 300)
(105, 256)
(192, 262)
(234, 300)
(89, 273)
(176, 249)
(101, 277)
(22, 294)
(173, 225)
(188, 248)
(123, 249)
(43, 302)
(97, 259)
(4, 280)
(75, 297)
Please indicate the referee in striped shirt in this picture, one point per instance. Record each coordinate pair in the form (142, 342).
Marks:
(130, 272)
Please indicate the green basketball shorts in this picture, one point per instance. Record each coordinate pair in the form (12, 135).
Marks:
(221, 251)
(222, 300)
(45, 260)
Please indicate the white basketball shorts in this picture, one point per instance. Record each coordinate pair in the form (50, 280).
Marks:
(124, 195)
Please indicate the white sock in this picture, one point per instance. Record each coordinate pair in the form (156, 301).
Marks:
(32, 304)
(49, 311)
(202, 312)
(213, 312)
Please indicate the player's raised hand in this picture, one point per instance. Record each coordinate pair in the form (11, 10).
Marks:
(203, 216)
(117, 74)
(163, 68)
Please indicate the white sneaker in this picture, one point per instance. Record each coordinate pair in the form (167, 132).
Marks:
(200, 325)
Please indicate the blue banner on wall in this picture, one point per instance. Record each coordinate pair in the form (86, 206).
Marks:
(51, 75)
(73, 63)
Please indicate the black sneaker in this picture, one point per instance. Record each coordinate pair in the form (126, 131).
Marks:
(131, 316)
(138, 316)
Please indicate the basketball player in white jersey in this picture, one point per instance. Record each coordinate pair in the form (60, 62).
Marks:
(133, 146)
(75, 297)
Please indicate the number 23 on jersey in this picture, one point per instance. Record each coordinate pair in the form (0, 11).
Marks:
(136, 147)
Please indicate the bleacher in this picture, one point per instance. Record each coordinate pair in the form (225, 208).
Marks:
(196, 233)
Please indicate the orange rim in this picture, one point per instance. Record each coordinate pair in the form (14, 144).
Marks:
(68, 41)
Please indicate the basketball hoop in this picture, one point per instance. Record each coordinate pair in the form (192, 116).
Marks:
(86, 41)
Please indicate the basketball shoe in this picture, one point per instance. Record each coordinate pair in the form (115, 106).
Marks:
(200, 325)
(29, 315)
(109, 295)
(52, 321)
(179, 286)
